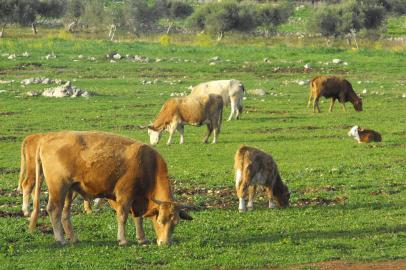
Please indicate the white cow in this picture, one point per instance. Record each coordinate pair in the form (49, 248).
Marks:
(231, 91)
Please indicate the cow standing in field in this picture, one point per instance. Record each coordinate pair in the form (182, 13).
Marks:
(26, 180)
(254, 167)
(192, 110)
(334, 88)
(132, 175)
(231, 91)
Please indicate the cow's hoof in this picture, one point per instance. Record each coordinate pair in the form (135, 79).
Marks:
(143, 241)
(26, 213)
(122, 242)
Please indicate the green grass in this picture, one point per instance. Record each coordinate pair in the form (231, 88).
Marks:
(356, 193)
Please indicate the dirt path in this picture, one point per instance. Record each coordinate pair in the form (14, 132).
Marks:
(340, 265)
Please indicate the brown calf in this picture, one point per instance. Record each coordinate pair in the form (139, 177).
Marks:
(254, 167)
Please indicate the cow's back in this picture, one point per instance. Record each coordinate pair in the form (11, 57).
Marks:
(220, 87)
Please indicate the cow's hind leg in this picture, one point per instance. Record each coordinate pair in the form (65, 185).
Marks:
(57, 192)
(66, 217)
(316, 104)
(331, 104)
(209, 131)
(139, 231)
(233, 105)
(251, 194)
(181, 130)
(27, 187)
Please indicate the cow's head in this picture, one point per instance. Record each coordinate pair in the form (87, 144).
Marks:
(281, 195)
(165, 216)
(154, 135)
(358, 104)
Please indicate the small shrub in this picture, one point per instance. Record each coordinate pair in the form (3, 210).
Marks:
(165, 40)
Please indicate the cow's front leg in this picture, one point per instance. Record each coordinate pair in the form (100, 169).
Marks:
(181, 130)
(171, 130)
(122, 214)
(233, 106)
(139, 231)
(57, 195)
(271, 204)
(215, 134)
(242, 194)
(251, 194)
(343, 107)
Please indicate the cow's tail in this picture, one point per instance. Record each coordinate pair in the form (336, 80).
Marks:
(220, 119)
(242, 171)
(311, 92)
(22, 167)
(38, 183)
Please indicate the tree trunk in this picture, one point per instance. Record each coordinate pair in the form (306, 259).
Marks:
(113, 29)
(2, 30)
(220, 36)
(169, 27)
(34, 28)
(71, 26)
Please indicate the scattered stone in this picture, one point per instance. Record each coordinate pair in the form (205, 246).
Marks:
(307, 66)
(81, 56)
(212, 64)
(6, 81)
(92, 58)
(117, 56)
(26, 54)
(50, 56)
(66, 90)
(3, 91)
(46, 81)
(345, 63)
(12, 56)
(404, 95)
(112, 61)
(33, 93)
(256, 92)
(27, 81)
(303, 82)
(215, 58)
(158, 60)
(364, 91)
(267, 60)
(141, 59)
(337, 61)
(42, 80)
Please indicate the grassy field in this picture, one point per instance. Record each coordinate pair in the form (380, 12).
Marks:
(348, 200)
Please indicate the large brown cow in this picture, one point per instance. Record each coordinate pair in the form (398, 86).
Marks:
(26, 180)
(192, 110)
(95, 164)
(334, 88)
(254, 167)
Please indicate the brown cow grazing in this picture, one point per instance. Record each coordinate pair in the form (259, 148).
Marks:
(364, 135)
(192, 110)
(334, 88)
(26, 181)
(254, 167)
(96, 164)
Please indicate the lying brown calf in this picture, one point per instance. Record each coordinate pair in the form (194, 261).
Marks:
(334, 88)
(254, 167)
(96, 164)
(364, 135)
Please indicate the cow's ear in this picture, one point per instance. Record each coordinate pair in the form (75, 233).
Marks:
(184, 215)
(151, 212)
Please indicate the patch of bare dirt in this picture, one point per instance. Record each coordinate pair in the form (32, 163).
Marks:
(130, 127)
(4, 170)
(10, 214)
(8, 138)
(319, 201)
(7, 113)
(341, 265)
(25, 65)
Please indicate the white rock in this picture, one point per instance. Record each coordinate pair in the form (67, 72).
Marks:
(33, 93)
(307, 66)
(27, 81)
(345, 63)
(212, 64)
(215, 58)
(26, 54)
(303, 82)
(364, 91)
(92, 58)
(12, 56)
(359, 82)
(158, 60)
(337, 61)
(112, 61)
(256, 92)
(266, 60)
(117, 56)
(404, 95)
(3, 91)
(50, 56)
(81, 56)
(46, 81)
(6, 81)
